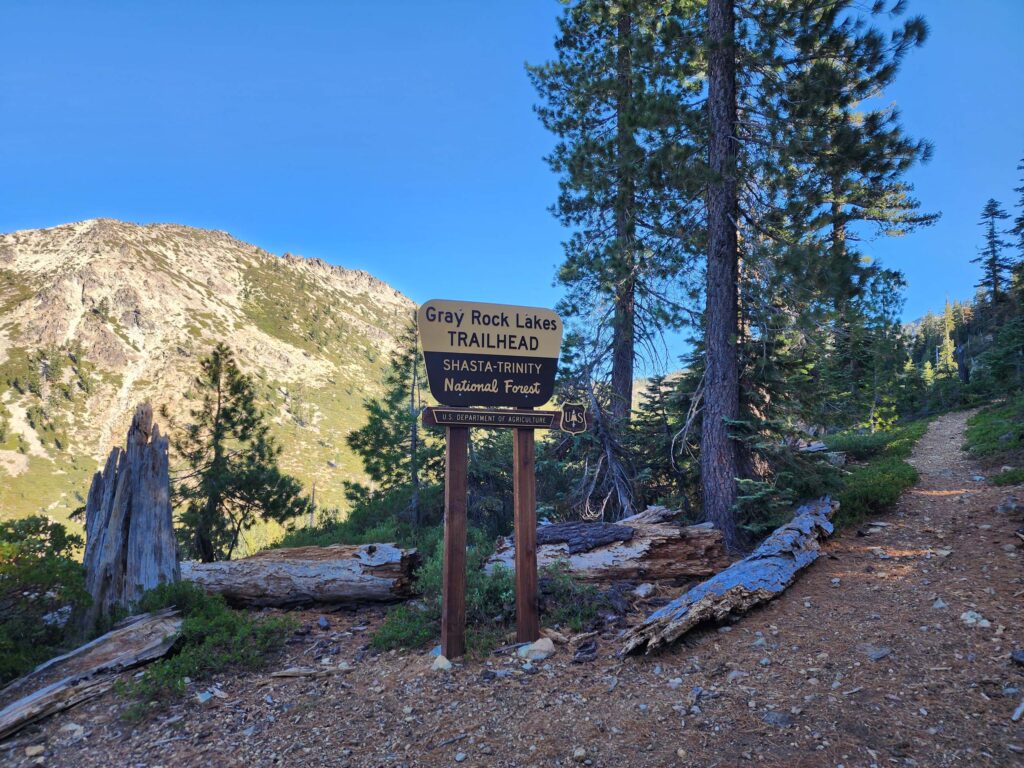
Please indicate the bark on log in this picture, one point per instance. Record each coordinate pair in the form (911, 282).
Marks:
(339, 574)
(87, 671)
(756, 579)
(647, 546)
(130, 545)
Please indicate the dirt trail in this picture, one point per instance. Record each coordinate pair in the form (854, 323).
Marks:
(864, 661)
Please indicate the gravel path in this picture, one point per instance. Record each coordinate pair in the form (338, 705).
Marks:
(865, 661)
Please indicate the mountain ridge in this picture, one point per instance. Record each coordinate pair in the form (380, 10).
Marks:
(99, 314)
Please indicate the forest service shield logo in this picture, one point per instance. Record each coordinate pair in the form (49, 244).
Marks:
(574, 418)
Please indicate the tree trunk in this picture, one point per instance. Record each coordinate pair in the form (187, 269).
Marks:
(647, 546)
(340, 574)
(87, 671)
(756, 579)
(718, 456)
(623, 319)
(130, 545)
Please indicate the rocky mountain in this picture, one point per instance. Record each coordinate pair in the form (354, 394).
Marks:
(99, 315)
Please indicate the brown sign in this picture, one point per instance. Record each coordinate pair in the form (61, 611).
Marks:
(572, 418)
(489, 354)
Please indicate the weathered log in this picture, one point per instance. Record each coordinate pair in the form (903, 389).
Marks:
(87, 671)
(757, 578)
(648, 546)
(340, 574)
(130, 545)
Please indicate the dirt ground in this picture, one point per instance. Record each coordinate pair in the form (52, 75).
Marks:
(865, 661)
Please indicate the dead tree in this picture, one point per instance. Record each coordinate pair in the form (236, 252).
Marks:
(129, 534)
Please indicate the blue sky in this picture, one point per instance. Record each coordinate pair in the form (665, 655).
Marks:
(399, 137)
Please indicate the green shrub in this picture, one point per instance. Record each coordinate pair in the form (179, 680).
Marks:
(565, 600)
(1009, 477)
(997, 430)
(213, 638)
(859, 446)
(873, 488)
(40, 583)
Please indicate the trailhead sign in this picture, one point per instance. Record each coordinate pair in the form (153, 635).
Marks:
(489, 354)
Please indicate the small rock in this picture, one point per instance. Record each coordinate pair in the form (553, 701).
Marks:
(735, 675)
(35, 750)
(249, 732)
(204, 696)
(939, 604)
(554, 635)
(765, 662)
(644, 591)
(978, 478)
(780, 719)
(874, 653)
(1018, 657)
(836, 582)
(323, 623)
(675, 682)
(681, 753)
(537, 650)
(973, 618)
(435, 651)
(460, 756)
(579, 754)
(441, 664)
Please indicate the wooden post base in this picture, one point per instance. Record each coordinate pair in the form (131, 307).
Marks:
(524, 482)
(453, 589)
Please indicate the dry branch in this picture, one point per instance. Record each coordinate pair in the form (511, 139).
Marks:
(87, 671)
(339, 574)
(648, 546)
(757, 578)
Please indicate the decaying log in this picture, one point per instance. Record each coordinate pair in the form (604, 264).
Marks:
(87, 671)
(648, 546)
(757, 578)
(129, 533)
(338, 574)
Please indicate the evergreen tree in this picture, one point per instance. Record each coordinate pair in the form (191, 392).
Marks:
(994, 263)
(396, 452)
(617, 99)
(232, 480)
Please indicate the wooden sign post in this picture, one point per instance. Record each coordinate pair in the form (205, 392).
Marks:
(491, 355)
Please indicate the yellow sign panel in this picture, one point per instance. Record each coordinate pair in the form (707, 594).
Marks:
(489, 354)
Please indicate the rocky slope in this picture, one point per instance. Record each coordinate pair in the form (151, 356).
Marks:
(99, 315)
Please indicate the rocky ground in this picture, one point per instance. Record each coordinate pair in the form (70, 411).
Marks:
(894, 649)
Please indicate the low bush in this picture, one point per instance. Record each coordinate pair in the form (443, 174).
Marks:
(1009, 477)
(873, 487)
(214, 638)
(997, 431)
(40, 583)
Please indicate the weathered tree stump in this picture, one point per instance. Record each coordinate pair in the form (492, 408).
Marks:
(129, 533)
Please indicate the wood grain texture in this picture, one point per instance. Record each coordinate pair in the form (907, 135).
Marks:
(524, 481)
(453, 588)
(757, 578)
(657, 549)
(342, 574)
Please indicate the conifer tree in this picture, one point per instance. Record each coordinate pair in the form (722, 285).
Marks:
(617, 99)
(232, 480)
(994, 263)
(396, 452)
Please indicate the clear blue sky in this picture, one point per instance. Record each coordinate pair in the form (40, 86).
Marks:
(399, 138)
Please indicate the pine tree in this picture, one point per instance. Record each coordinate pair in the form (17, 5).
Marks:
(994, 263)
(396, 452)
(232, 480)
(616, 98)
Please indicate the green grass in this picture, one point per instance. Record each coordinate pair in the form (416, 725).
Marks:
(872, 486)
(997, 431)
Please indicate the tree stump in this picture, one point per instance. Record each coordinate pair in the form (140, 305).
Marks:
(129, 533)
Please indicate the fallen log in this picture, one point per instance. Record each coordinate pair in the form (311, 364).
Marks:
(649, 546)
(757, 578)
(88, 671)
(342, 574)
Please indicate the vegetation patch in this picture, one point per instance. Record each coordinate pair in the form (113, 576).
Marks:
(214, 638)
(873, 487)
(997, 431)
